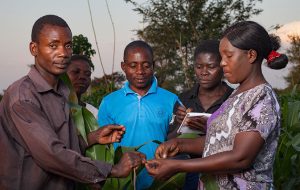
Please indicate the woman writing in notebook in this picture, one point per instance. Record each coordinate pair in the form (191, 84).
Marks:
(209, 92)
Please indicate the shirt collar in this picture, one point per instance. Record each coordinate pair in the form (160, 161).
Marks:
(42, 85)
(193, 93)
(152, 89)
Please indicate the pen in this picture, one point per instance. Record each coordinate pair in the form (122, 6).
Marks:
(180, 103)
(174, 115)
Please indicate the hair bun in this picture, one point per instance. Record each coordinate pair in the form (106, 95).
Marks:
(278, 62)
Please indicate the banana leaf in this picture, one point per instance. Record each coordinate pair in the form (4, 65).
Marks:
(188, 135)
(287, 160)
(175, 182)
(210, 182)
(72, 96)
(85, 123)
(97, 151)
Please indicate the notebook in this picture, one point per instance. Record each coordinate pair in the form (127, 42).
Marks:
(185, 129)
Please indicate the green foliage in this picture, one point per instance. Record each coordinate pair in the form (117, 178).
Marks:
(82, 46)
(209, 182)
(294, 58)
(99, 88)
(174, 27)
(175, 182)
(287, 161)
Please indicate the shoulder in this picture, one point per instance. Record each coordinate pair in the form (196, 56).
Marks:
(261, 91)
(189, 93)
(166, 93)
(186, 94)
(261, 95)
(228, 90)
(114, 96)
(20, 90)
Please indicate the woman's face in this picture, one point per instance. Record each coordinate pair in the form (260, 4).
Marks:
(208, 70)
(79, 73)
(235, 62)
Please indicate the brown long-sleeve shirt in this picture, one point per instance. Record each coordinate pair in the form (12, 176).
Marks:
(39, 146)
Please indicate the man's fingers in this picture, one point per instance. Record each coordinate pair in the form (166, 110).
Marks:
(164, 156)
(180, 108)
(158, 155)
(142, 156)
(116, 127)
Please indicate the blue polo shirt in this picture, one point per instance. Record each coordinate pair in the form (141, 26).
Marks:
(146, 118)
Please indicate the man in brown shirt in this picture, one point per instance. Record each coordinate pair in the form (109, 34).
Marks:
(39, 144)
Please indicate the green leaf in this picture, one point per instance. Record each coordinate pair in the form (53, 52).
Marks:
(287, 160)
(294, 113)
(209, 182)
(175, 182)
(76, 113)
(188, 135)
(296, 142)
(72, 96)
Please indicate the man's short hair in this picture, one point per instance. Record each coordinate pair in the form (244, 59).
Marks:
(46, 20)
(137, 44)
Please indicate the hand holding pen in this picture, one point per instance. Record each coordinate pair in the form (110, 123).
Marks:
(181, 112)
(198, 123)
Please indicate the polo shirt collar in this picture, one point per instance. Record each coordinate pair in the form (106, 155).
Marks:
(152, 89)
(42, 85)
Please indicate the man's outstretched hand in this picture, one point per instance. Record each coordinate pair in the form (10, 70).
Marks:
(106, 135)
(128, 162)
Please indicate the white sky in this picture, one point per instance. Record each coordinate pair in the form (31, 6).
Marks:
(17, 18)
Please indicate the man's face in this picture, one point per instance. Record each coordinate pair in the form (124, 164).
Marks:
(79, 73)
(53, 50)
(138, 68)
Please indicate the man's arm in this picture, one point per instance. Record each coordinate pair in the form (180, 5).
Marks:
(48, 151)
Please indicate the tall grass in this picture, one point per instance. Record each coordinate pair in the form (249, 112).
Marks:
(287, 160)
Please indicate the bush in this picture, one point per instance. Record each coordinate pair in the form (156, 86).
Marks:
(287, 160)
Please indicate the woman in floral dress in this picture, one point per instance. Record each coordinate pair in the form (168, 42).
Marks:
(239, 148)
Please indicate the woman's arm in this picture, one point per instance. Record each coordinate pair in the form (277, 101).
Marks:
(180, 145)
(246, 147)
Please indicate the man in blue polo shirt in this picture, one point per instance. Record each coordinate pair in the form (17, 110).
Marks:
(141, 106)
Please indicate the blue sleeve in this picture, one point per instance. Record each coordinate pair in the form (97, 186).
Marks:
(176, 101)
(104, 117)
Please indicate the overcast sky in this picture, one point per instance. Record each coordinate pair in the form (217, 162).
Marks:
(17, 18)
